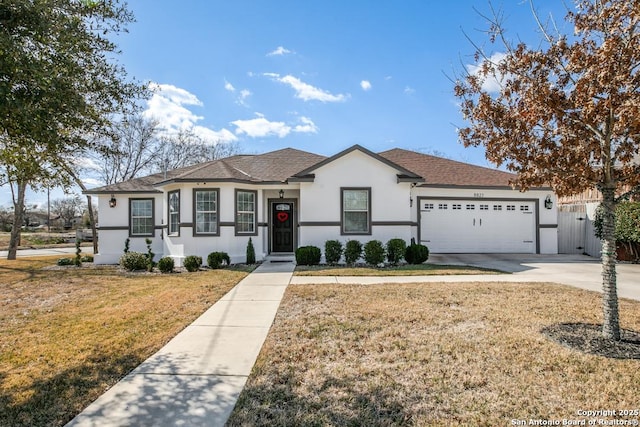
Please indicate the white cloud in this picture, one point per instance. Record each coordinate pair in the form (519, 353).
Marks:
(307, 126)
(365, 85)
(408, 90)
(305, 91)
(242, 97)
(92, 182)
(168, 106)
(491, 83)
(175, 94)
(280, 51)
(261, 127)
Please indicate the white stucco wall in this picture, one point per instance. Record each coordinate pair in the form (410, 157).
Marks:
(113, 228)
(187, 244)
(320, 200)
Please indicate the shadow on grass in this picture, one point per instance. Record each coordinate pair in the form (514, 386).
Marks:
(333, 402)
(139, 399)
(588, 338)
(53, 401)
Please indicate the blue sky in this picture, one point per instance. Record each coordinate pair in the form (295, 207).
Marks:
(315, 75)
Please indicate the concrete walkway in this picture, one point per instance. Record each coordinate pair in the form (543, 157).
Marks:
(197, 377)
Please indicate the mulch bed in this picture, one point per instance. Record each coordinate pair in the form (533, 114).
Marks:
(588, 338)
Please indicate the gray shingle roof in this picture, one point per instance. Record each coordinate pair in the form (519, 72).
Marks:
(275, 166)
(440, 171)
(280, 165)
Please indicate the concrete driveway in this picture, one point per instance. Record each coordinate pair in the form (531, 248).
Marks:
(576, 270)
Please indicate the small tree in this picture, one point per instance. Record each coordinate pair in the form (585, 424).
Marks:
(564, 113)
(251, 253)
(67, 209)
(150, 255)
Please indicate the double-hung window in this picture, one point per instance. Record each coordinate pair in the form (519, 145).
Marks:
(174, 213)
(356, 211)
(206, 219)
(246, 203)
(141, 220)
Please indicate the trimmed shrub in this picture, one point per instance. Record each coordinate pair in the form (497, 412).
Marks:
(77, 261)
(64, 261)
(218, 260)
(251, 253)
(395, 250)
(308, 255)
(133, 261)
(333, 251)
(87, 258)
(166, 265)
(416, 253)
(374, 252)
(192, 263)
(126, 245)
(150, 255)
(352, 251)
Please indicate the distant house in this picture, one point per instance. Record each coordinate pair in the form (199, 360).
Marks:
(289, 198)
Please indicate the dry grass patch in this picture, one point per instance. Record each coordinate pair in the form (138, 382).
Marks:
(400, 270)
(66, 335)
(432, 354)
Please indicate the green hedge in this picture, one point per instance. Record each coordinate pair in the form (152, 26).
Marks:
(395, 250)
(218, 260)
(308, 255)
(352, 251)
(374, 252)
(133, 261)
(166, 265)
(333, 251)
(192, 263)
(416, 253)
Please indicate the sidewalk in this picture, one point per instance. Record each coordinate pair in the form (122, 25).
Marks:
(197, 377)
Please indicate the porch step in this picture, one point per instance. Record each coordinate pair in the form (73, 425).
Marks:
(281, 258)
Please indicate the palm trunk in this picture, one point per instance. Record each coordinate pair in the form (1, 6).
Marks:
(611, 321)
(18, 217)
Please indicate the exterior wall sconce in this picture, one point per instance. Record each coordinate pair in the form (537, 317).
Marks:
(112, 201)
(548, 204)
(281, 194)
(410, 201)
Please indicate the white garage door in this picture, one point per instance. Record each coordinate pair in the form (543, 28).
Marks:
(487, 226)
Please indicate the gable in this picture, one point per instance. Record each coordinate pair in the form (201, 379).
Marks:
(357, 159)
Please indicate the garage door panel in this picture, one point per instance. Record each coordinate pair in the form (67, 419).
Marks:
(458, 226)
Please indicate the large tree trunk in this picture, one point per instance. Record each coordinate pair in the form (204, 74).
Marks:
(611, 321)
(18, 217)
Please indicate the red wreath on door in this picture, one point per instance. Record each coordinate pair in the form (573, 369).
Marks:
(282, 216)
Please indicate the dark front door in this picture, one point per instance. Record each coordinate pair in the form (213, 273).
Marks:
(282, 226)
